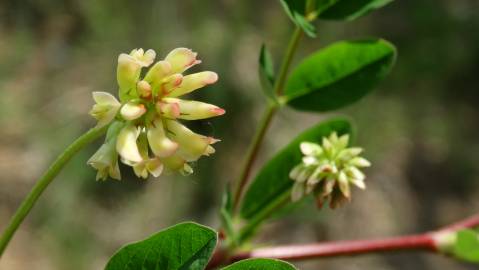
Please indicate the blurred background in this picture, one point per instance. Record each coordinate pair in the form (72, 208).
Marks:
(420, 128)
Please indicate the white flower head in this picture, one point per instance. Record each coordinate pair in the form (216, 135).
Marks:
(328, 170)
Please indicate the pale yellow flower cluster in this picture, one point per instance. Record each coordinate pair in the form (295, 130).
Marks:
(144, 128)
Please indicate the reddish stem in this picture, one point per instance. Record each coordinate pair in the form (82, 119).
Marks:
(470, 222)
(423, 242)
(341, 248)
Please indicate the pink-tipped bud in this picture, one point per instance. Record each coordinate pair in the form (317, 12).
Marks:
(144, 89)
(193, 82)
(218, 111)
(169, 110)
(170, 84)
(193, 110)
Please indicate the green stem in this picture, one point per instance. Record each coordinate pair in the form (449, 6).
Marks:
(288, 58)
(29, 201)
(253, 152)
(266, 119)
(249, 229)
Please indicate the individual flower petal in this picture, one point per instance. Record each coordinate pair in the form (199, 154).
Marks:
(151, 166)
(186, 170)
(170, 84)
(127, 75)
(194, 81)
(188, 109)
(168, 110)
(360, 162)
(140, 169)
(359, 183)
(143, 58)
(105, 160)
(344, 184)
(309, 160)
(293, 174)
(192, 145)
(155, 167)
(161, 145)
(173, 163)
(343, 141)
(126, 144)
(105, 109)
(349, 153)
(304, 174)
(131, 111)
(355, 173)
(143, 88)
(310, 149)
(297, 192)
(209, 150)
(156, 75)
(181, 59)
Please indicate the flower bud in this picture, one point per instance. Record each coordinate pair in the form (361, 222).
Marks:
(170, 83)
(168, 110)
(194, 81)
(310, 149)
(131, 111)
(143, 88)
(188, 110)
(181, 59)
(126, 144)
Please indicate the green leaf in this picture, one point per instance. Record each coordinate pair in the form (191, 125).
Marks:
(349, 10)
(467, 246)
(296, 12)
(186, 246)
(346, 10)
(266, 72)
(339, 75)
(260, 264)
(272, 183)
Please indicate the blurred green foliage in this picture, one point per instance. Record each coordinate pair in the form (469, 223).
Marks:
(420, 129)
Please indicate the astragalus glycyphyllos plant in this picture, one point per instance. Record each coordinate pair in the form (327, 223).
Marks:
(145, 129)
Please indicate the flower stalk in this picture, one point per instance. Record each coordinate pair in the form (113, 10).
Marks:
(40, 186)
(267, 117)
